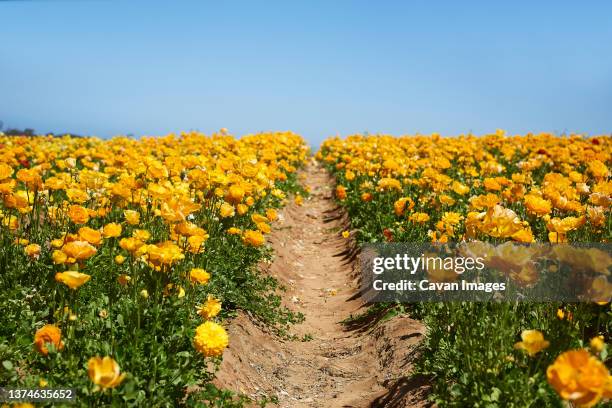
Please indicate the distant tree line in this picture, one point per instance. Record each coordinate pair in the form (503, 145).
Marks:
(31, 132)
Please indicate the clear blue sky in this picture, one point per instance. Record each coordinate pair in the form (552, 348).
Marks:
(319, 68)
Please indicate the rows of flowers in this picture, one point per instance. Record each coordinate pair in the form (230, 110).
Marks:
(495, 188)
(119, 259)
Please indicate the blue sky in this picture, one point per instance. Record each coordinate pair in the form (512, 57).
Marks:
(319, 68)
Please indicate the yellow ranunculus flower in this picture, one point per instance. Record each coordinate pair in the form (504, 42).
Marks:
(112, 230)
(532, 342)
(105, 372)
(198, 275)
(210, 339)
(72, 279)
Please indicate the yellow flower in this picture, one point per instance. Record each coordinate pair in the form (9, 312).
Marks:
(112, 230)
(533, 342)
(253, 238)
(580, 378)
(32, 250)
(141, 235)
(346, 234)
(597, 343)
(59, 257)
(226, 210)
(144, 293)
(264, 227)
(48, 334)
(210, 339)
(560, 314)
(105, 372)
(119, 259)
(198, 275)
(271, 214)
(235, 194)
(132, 217)
(210, 308)
(72, 279)
(419, 217)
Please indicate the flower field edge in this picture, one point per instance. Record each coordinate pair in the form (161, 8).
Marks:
(531, 188)
(121, 260)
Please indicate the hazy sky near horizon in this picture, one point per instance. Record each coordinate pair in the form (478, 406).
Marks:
(319, 68)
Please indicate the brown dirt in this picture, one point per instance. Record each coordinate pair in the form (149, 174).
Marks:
(366, 364)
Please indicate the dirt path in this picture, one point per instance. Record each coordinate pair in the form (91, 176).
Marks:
(364, 366)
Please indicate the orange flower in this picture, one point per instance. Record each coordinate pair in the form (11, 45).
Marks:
(78, 214)
(579, 377)
(537, 205)
(79, 250)
(48, 334)
(340, 192)
(90, 235)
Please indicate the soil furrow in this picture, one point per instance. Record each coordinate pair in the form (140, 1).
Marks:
(365, 365)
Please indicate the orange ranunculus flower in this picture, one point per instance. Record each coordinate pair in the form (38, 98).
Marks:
(579, 377)
(112, 230)
(6, 171)
(105, 372)
(340, 192)
(532, 342)
(253, 238)
(90, 235)
(72, 279)
(78, 214)
(537, 205)
(48, 334)
(31, 178)
(79, 250)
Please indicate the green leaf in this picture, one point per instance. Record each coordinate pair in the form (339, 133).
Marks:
(8, 365)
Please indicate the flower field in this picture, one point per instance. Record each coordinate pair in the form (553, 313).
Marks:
(119, 260)
(495, 188)
(123, 261)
